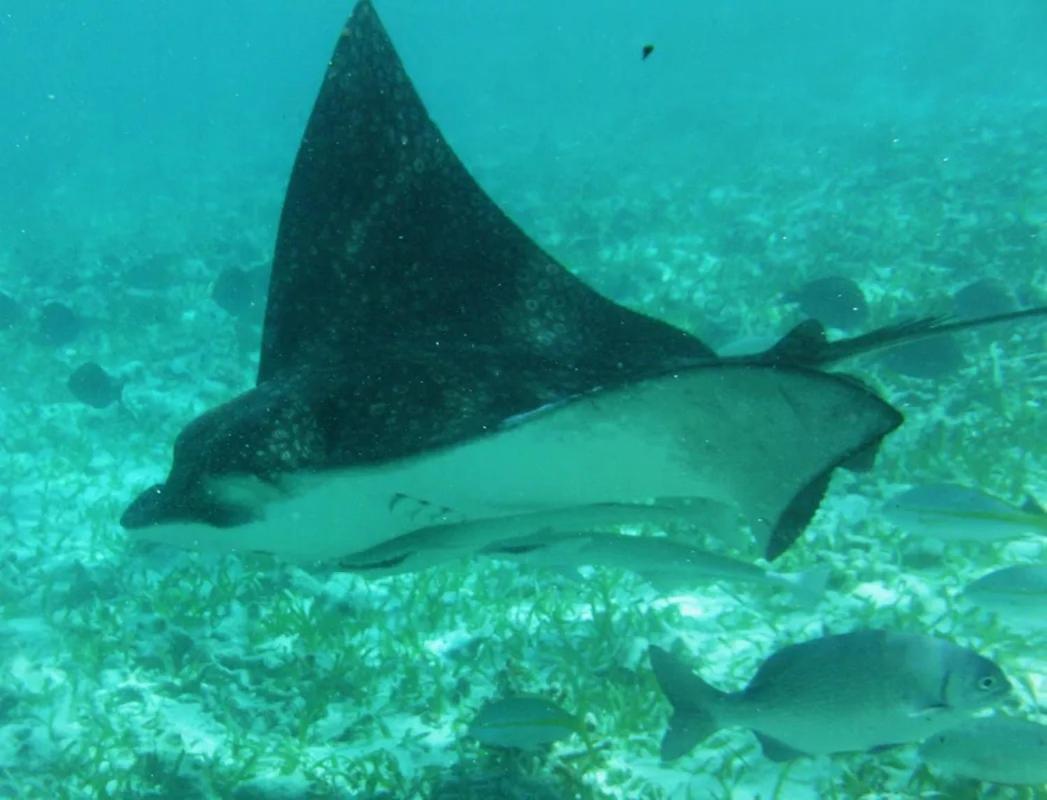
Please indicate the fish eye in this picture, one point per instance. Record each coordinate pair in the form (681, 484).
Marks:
(988, 682)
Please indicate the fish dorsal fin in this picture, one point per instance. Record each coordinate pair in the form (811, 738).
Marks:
(385, 240)
(776, 750)
(803, 344)
(1032, 506)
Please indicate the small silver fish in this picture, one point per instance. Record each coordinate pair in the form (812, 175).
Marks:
(523, 723)
(951, 512)
(857, 691)
(1016, 595)
(996, 749)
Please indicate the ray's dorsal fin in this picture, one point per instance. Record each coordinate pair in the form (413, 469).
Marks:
(385, 240)
(807, 345)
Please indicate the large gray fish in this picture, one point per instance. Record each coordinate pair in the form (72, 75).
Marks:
(851, 692)
(417, 343)
(1016, 595)
(996, 749)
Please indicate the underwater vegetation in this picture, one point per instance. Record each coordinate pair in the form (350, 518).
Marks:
(136, 671)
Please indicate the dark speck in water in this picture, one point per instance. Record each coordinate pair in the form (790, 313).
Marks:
(647, 50)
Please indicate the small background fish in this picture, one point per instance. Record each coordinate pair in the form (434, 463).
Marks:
(997, 749)
(949, 511)
(58, 324)
(10, 312)
(931, 358)
(835, 301)
(522, 723)
(1016, 595)
(93, 386)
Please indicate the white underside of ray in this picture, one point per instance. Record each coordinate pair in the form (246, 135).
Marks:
(749, 437)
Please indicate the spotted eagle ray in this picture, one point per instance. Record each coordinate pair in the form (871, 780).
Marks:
(425, 364)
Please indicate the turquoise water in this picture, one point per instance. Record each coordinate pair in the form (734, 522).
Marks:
(145, 149)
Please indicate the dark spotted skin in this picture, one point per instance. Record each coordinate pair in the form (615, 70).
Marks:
(406, 311)
(386, 239)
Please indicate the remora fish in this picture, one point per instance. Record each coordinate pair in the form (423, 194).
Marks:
(663, 562)
(996, 749)
(1016, 595)
(453, 540)
(856, 691)
(417, 343)
(523, 723)
(949, 511)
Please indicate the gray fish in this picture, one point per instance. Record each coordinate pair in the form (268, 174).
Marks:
(155, 272)
(10, 311)
(58, 324)
(835, 301)
(1016, 595)
(995, 749)
(239, 292)
(93, 386)
(927, 359)
(852, 692)
(523, 723)
(952, 512)
(665, 563)
(417, 343)
(984, 296)
(552, 540)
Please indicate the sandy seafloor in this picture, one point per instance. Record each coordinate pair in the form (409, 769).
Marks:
(127, 673)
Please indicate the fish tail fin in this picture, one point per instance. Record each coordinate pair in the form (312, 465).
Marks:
(693, 702)
(807, 587)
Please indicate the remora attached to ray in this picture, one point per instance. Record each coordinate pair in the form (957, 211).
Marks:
(425, 362)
